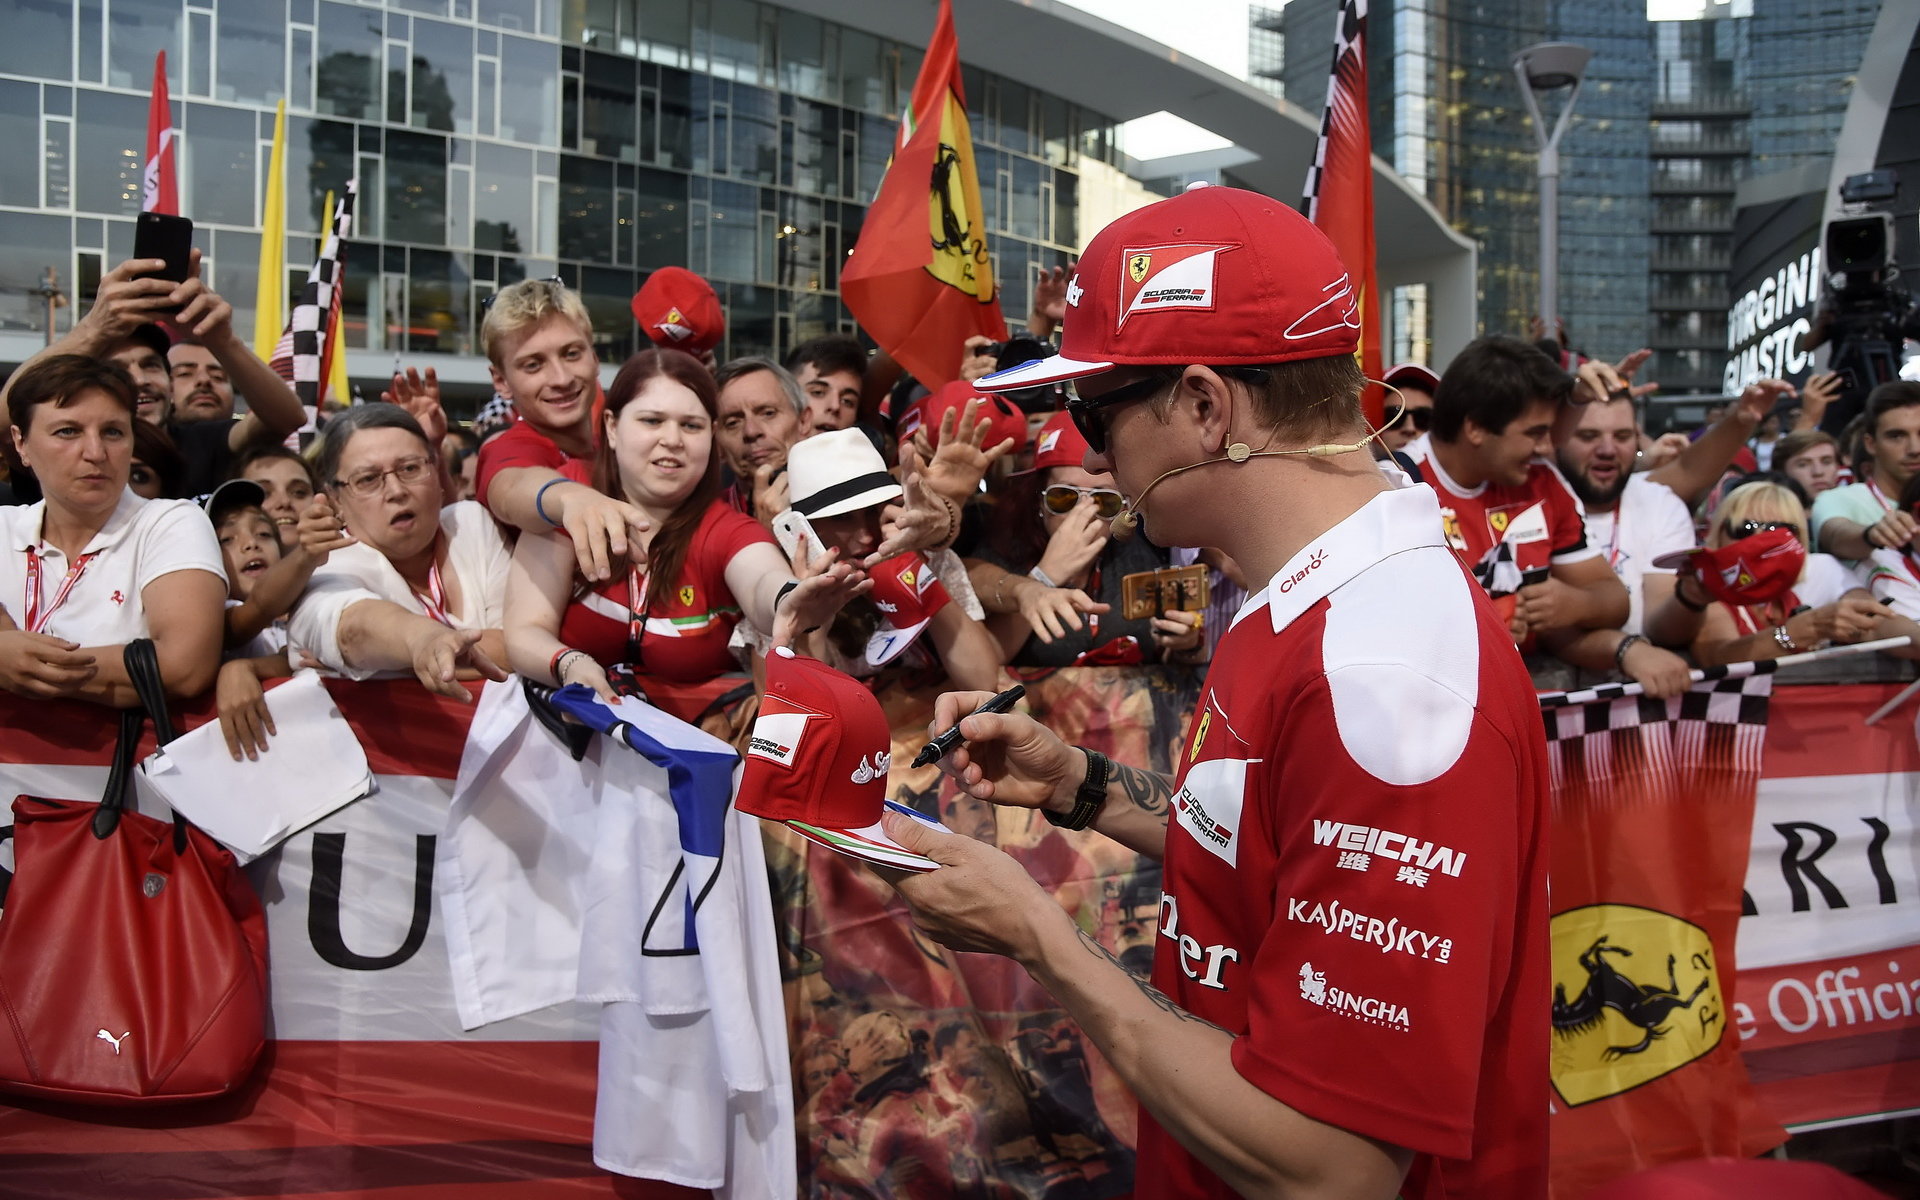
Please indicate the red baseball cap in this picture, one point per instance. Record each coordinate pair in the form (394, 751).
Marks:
(818, 760)
(1058, 444)
(1214, 275)
(678, 309)
(908, 594)
(1004, 418)
(1750, 570)
(1422, 377)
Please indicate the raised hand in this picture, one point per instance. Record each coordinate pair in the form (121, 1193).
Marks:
(321, 529)
(198, 311)
(962, 459)
(603, 530)
(419, 394)
(1075, 542)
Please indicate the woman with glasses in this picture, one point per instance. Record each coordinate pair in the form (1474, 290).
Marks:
(406, 582)
(1050, 575)
(1781, 600)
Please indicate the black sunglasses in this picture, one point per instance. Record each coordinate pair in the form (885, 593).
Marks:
(1420, 418)
(1086, 413)
(554, 280)
(1747, 529)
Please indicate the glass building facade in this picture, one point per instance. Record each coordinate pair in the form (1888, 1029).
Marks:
(1672, 114)
(497, 140)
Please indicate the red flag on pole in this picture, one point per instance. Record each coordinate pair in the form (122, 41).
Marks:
(158, 191)
(919, 280)
(1339, 197)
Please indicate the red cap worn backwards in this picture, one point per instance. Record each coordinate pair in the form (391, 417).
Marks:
(818, 760)
(1215, 275)
(1058, 444)
(677, 309)
(1004, 418)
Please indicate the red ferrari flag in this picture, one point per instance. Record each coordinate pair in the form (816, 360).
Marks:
(1339, 196)
(158, 191)
(919, 279)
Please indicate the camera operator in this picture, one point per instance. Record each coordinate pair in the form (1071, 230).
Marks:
(1866, 319)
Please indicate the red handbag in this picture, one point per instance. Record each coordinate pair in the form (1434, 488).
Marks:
(133, 952)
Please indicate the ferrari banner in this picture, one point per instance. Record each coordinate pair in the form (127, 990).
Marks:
(920, 1072)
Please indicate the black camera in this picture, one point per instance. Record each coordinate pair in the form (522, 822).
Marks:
(1042, 398)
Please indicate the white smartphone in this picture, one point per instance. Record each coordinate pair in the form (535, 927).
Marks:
(789, 528)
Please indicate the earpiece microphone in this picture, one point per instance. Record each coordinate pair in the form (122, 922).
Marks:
(1128, 520)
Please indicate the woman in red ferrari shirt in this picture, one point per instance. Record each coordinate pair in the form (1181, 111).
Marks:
(669, 615)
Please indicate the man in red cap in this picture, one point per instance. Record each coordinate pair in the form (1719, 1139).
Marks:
(1350, 985)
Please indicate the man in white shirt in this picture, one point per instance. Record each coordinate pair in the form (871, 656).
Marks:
(1631, 520)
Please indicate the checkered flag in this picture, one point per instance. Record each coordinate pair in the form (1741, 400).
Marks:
(300, 358)
(1614, 731)
(1346, 108)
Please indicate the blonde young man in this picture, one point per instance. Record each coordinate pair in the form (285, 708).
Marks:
(539, 344)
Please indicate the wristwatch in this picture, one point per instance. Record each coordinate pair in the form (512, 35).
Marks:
(1092, 795)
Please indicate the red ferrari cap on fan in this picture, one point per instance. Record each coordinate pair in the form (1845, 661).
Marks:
(1755, 569)
(1215, 275)
(908, 594)
(1004, 418)
(677, 309)
(1059, 444)
(1419, 376)
(818, 758)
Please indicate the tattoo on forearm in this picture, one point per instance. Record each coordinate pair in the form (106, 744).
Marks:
(1159, 998)
(1150, 791)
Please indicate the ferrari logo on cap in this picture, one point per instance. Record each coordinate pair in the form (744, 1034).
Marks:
(1174, 276)
(674, 317)
(687, 594)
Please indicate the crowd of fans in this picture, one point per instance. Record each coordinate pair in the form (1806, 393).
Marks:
(669, 530)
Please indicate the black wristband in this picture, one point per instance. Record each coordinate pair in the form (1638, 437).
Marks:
(1092, 795)
(780, 595)
(1620, 652)
(1680, 594)
(1866, 535)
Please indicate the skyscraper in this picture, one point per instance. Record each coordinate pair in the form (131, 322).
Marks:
(1671, 115)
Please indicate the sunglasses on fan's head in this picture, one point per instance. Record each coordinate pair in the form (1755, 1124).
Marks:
(1059, 499)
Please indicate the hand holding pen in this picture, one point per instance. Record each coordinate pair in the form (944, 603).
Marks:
(945, 743)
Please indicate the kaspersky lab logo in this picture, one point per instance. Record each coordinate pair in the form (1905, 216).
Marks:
(1635, 997)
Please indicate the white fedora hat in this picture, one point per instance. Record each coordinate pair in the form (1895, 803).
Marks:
(839, 472)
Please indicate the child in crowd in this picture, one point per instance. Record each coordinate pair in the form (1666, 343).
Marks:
(264, 581)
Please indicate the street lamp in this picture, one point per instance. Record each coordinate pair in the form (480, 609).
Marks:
(1548, 67)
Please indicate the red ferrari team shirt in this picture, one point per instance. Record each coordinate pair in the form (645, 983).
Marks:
(685, 630)
(1509, 536)
(1355, 875)
(520, 445)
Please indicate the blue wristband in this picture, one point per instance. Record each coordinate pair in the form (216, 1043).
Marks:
(541, 495)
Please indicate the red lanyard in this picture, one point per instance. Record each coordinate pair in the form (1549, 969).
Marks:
(1878, 495)
(37, 617)
(637, 584)
(1613, 540)
(434, 599)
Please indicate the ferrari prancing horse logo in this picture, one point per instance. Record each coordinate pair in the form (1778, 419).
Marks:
(1138, 266)
(686, 595)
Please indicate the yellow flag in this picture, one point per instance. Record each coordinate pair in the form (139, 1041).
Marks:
(270, 296)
